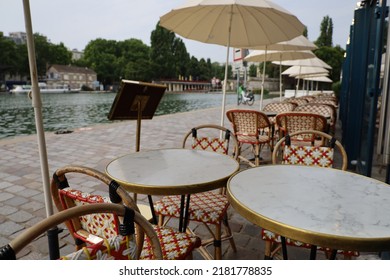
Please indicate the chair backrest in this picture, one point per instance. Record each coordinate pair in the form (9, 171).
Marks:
(211, 137)
(279, 107)
(296, 101)
(291, 122)
(326, 110)
(102, 250)
(326, 101)
(248, 122)
(91, 229)
(321, 153)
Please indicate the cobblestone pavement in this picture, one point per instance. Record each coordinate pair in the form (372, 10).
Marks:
(21, 191)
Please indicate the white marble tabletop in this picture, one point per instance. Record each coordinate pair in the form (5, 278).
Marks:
(320, 206)
(172, 171)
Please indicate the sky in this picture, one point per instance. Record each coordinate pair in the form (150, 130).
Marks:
(77, 22)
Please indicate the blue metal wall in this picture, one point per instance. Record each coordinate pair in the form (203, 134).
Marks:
(360, 84)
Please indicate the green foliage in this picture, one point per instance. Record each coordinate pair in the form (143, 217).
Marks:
(14, 57)
(113, 60)
(336, 87)
(334, 56)
(325, 38)
(252, 70)
(271, 70)
(163, 49)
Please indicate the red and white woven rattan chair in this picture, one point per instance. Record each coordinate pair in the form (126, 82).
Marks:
(251, 128)
(278, 107)
(328, 111)
(290, 122)
(119, 247)
(92, 229)
(321, 154)
(209, 208)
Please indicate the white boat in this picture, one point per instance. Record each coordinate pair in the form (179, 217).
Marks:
(43, 88)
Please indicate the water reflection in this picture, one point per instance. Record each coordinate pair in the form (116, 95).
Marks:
(70, 111)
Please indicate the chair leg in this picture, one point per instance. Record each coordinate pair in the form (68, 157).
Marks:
(218, 242)
(257, 155)
(229, 233)
(267, 250)
(160, 220)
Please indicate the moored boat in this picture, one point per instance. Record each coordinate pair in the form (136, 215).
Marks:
(43, 88)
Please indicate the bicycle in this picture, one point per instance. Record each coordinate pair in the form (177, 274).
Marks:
(246, 99)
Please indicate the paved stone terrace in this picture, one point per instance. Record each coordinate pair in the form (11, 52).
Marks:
(21, 191)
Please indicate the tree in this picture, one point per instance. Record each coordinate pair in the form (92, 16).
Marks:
(326, 33)
(133, 58)
(333, 56)
(252, 70)
(48, 53)
(162, 53)
(101, 56)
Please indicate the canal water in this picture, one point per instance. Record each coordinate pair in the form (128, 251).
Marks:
(74, 110)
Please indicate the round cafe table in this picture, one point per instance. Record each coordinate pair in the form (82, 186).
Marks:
(172, 172)
(320, 206)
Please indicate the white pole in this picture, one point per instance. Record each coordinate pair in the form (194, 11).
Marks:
(52, 234)
(262, 82)
(37, 105)
(226, 71)
(280, 79)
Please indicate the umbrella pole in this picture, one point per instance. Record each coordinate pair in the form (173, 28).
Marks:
(262, 82)
(280, 79)
(226, 72)
(224, 88)
(37, 105)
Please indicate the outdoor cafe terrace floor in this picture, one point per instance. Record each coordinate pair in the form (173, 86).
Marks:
(21, 194)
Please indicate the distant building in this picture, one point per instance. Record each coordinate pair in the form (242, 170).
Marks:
(74, 77)
(18, 37)
(76, 54)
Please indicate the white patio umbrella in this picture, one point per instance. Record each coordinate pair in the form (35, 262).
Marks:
(232, 23)
(264, 55)
(318, 79)
(311, 62)
(299, 43)
(37, 105)
(323, 79)
(301, 71)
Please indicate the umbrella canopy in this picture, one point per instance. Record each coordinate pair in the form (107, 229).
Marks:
(324, 79)
(312, 62)
(233, 23)
(298, 43)
(300, 71)
(264, 55)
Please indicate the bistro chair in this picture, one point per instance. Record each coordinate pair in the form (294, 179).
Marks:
(328, 111)
(120, 247)
(296, 101)
(321, 154)
(278, 107)
(328, 101)
(209, 208)
(251, 128)
(90, 230)
(290, 122)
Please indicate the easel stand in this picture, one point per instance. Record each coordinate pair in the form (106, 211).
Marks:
(136, 101)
